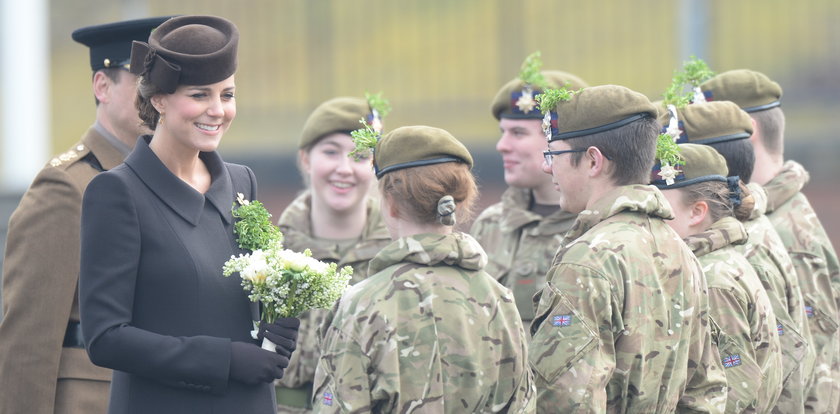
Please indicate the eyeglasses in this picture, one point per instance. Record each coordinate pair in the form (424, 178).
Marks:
(549, 155)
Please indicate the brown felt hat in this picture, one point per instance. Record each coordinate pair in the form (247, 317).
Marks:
(415, 146)
(711, 122)
(598, 109)
(335, 115)
(187, 50)
(702, 163)
(752, 91)
(509, 102)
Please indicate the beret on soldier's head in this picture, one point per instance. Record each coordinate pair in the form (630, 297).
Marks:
(335, 115)
(110, 44)
(598, 109)
(711, 122)
(702, 163)
(415, 146)
(187, 50)
(505, 103)
(752, 91)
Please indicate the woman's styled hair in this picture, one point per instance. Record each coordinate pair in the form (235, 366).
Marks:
(719, 197)
(416, 191)
(148, 114)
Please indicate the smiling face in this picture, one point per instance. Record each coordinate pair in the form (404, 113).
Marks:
(337, 180)
(521, 146)
(196, 117)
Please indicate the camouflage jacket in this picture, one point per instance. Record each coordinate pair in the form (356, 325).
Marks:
(744, 325)
(295, 223)
(766, 253)
(520, 245)
(429, 332)
(815, 261)
(623, 322)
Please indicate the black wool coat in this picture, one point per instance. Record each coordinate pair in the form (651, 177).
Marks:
(154, 305)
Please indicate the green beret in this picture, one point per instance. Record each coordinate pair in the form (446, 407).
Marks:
(711, 122)
(415, 146)
(598, 109)
(335, 115)
(505, 103)
(702, 163)
(187, 50)
(752, 91)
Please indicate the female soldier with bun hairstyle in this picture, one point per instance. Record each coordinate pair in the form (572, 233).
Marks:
(708, 208)
(156, 231)
(429, 330)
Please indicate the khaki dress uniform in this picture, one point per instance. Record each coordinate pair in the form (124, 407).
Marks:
(817, 266)
(295, 223)
(43, 364)
(520, 245)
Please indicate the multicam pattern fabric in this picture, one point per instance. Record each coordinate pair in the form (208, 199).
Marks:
(746, 332)
(429, 332)
(639, 336)
(520, 245)
(295, 223)
(818, 271)
(766, 253)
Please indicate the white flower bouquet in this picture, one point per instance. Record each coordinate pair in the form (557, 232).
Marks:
(285, 282)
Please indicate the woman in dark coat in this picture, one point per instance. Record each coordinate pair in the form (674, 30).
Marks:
(156, 231)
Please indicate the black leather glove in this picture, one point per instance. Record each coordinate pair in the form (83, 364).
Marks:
(253, 365)
(283, 333)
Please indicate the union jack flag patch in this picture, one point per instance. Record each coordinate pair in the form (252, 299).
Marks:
(809, 311)
(780, 329)
(561, 320)
(731, 361)
(328, 398)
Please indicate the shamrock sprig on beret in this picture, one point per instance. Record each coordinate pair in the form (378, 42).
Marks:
(694, 72)
(548, 101)
(365, 138)
(530, 72)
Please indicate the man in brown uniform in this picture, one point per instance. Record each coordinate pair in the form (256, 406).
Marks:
(43, 364)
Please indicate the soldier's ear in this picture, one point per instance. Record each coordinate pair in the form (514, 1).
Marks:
(699, 211)
(101, 86)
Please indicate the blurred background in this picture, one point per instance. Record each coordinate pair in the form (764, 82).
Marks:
(439, 62)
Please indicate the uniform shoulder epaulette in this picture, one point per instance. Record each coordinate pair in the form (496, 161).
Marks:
(68, 156)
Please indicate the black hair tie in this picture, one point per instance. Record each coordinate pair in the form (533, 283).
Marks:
(734, 190)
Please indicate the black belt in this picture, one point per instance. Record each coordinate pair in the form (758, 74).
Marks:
(73, 336)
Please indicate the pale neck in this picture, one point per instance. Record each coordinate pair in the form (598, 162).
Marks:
(182, 162)
(337, 225)
(767, 165)
(406, 228)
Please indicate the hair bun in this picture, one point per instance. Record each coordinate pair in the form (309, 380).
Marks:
(446, 210)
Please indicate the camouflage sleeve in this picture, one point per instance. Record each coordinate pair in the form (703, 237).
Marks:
(301, 369)
(736, 350)
(341, 381)
(706, 388)
(571, 368)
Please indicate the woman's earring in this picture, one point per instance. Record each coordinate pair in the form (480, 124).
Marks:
(161, 119)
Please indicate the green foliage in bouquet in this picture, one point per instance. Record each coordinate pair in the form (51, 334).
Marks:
(253, 225)
(365, 139)
(288, 283)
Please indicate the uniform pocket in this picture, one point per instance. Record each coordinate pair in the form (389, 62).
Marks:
(563, 338)
(794, 349)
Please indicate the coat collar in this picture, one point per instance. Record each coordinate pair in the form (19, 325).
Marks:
(515, 203)
(175, 193)
(724, 232)
(785, 185)
(105, 152)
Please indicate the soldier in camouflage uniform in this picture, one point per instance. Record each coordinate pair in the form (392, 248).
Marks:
(429, 331)
(763, 249)
(706, 204)
(801, 232)
(622, 324)
(339, 187)
(522, 232)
